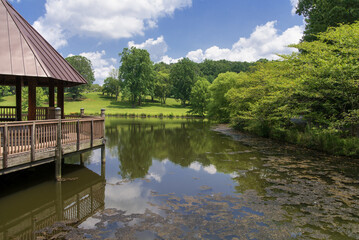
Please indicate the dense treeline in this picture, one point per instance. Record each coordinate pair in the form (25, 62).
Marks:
(309, 98)
(185, 80)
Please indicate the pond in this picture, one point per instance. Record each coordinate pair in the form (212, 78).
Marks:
(184, 179)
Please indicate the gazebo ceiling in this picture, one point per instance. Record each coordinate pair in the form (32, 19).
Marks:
(25, 54)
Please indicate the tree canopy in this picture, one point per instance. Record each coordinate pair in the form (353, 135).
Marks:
(183, 76)
(137, 73)
(84, 67)
(321, 14)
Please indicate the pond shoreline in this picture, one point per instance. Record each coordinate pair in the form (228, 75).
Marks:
(276, 146)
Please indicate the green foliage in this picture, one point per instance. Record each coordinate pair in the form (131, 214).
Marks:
(40, 97)
(200, 97)
(328, 73)
(183, 76)
(218, 107)
(321, 14)
(137, 74)
(95, 88)
(211, 69)
(163, 86)
(317, 87)
(84, 67)
(111, 87)
(5, 91)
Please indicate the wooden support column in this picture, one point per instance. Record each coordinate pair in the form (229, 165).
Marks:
(33, 142)
(58, 151)
(103, 127)
(60, 99)
(51, 94)
(78, 135)
(19, 84)
(59, 202)
(91, 136)
(103, 162)
(5, 150)
(32, 101)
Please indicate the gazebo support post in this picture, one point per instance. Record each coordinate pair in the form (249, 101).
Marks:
(32, 100)
(19, 84)
(51, 94)
(60, 99)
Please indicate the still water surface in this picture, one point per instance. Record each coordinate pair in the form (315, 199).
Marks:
(180, 179)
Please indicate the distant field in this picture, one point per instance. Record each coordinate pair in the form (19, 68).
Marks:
(93, 102)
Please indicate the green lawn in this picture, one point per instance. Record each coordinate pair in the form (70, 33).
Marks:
(93, 102)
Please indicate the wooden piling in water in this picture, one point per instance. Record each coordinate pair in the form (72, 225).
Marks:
(58, 150)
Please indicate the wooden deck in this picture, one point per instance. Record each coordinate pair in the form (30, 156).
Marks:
(26, 144)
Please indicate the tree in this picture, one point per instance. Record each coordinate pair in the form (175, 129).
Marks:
(218, 107)
(40, 97)
(137, 74)
(200, 97)
(162, 86)
(321, 14)
(112, 84)
(183, 76)
(84, 67)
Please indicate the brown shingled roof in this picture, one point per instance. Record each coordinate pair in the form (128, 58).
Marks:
(25, 53)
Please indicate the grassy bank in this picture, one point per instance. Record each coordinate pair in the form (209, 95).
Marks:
(93, 102)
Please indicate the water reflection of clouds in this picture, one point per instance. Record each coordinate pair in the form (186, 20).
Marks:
(211, 169)
(90, 223)
(131, 197)
(157, 170)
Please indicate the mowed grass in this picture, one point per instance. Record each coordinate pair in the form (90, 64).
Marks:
(94, 102)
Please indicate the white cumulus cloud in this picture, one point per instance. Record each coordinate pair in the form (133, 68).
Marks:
(102, 66)
(156, 47)
(264, 42)
(294, 6)
(113, 19)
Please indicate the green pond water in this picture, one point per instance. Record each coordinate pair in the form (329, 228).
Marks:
(184, 179)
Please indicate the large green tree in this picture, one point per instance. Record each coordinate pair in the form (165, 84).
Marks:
(200, 97)
(84, 67)
(137, 74)
(163, 86)
(183, 76)
(321, 14)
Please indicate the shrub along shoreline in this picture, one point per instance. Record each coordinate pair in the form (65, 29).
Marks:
(318, 86)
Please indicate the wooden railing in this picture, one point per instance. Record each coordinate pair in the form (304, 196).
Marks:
(7, 113)
(43, 113)
(38, 136)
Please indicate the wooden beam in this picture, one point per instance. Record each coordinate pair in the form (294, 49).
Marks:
(51, 94)
(60, 99)
(32, 101)
(19, 84)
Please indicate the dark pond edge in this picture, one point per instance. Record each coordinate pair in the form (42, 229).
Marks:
(272, 146)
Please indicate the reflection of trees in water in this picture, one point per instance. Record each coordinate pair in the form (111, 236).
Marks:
(136, 144)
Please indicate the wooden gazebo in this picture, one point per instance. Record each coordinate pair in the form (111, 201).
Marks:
(27, 59)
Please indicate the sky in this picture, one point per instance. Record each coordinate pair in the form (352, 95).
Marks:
(235, 30)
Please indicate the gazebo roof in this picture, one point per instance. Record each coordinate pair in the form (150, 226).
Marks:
(25, 54)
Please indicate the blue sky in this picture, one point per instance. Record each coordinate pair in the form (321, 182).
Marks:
(237, 30)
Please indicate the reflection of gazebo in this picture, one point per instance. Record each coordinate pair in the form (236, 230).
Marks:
(27, 59)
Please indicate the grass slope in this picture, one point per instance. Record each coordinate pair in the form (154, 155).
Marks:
(93, 102)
